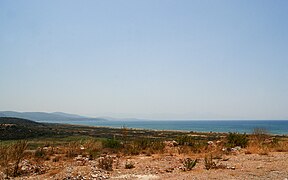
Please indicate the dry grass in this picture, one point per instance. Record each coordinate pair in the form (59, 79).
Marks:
(11, 156)
(281, 147)
(261, 147)
(73, 149)
(53, 172)
(93, 148)
(192, 147)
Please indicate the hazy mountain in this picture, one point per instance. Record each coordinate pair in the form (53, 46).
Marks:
(47, 117)
(68, 115)
(122, 119)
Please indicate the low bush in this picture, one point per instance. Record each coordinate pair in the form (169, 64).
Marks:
(143, 143)
(40, 153)
(186, 140)
(189, 164)
(56, 159)
(5, 159)
(209, 163)
(112, 144)
(106, 163)
(132, 149)
(157, 146)
(260, 134)
(197, 144)
(236, 139)
(93, 148)
(11, 156)
(73, 149)
(129, 165)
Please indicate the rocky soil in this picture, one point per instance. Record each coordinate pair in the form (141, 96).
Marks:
(165, 166)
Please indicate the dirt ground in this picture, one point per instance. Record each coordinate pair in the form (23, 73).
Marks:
(170, 166)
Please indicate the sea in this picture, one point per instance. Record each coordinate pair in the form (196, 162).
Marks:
(277, 127)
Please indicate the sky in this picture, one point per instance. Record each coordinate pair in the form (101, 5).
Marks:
(153, 59)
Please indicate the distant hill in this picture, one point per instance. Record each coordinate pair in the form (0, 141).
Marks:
(18, 121)
(68, 115)
(16, 128)
(47, 117)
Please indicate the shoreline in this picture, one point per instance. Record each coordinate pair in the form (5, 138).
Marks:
(161, 130)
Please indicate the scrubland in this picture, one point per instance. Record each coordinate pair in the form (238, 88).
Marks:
(81, 152)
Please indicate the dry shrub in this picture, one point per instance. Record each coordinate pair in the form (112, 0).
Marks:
(93, 148)
(5, 158)
(211, 164)
(138, 146)
(40, 154)
(263, 143)
(11, 156)
(157, 146)
(106, 163)
(56, 159)
(268, 144)
(73, 149)
(132, 149)
(264, 151)
(143, 145)
(196, 145)
(184, 149)
(129, 165)
(282, 147)
(255, 147)
(260, 134)
(17, 154)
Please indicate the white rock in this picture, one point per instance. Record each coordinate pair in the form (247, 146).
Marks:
(210, 142)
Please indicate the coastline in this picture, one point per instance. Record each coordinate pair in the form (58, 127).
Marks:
(191, 127)
(69, 151)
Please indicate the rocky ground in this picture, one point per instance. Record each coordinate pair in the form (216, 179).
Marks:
(167, 166)
(68, 152)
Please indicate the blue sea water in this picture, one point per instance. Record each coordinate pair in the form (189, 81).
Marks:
(279, 127)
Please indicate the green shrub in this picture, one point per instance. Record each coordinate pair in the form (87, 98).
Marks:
(209, 163)
(196, 143)
(186, 140)
(112, 143)
(189, 164)
(236, 139)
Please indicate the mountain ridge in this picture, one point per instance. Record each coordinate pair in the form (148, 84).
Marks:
(47, 117)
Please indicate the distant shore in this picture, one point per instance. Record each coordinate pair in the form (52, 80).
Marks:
(273, 127)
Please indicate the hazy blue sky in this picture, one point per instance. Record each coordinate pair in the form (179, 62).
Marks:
(157, 59)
